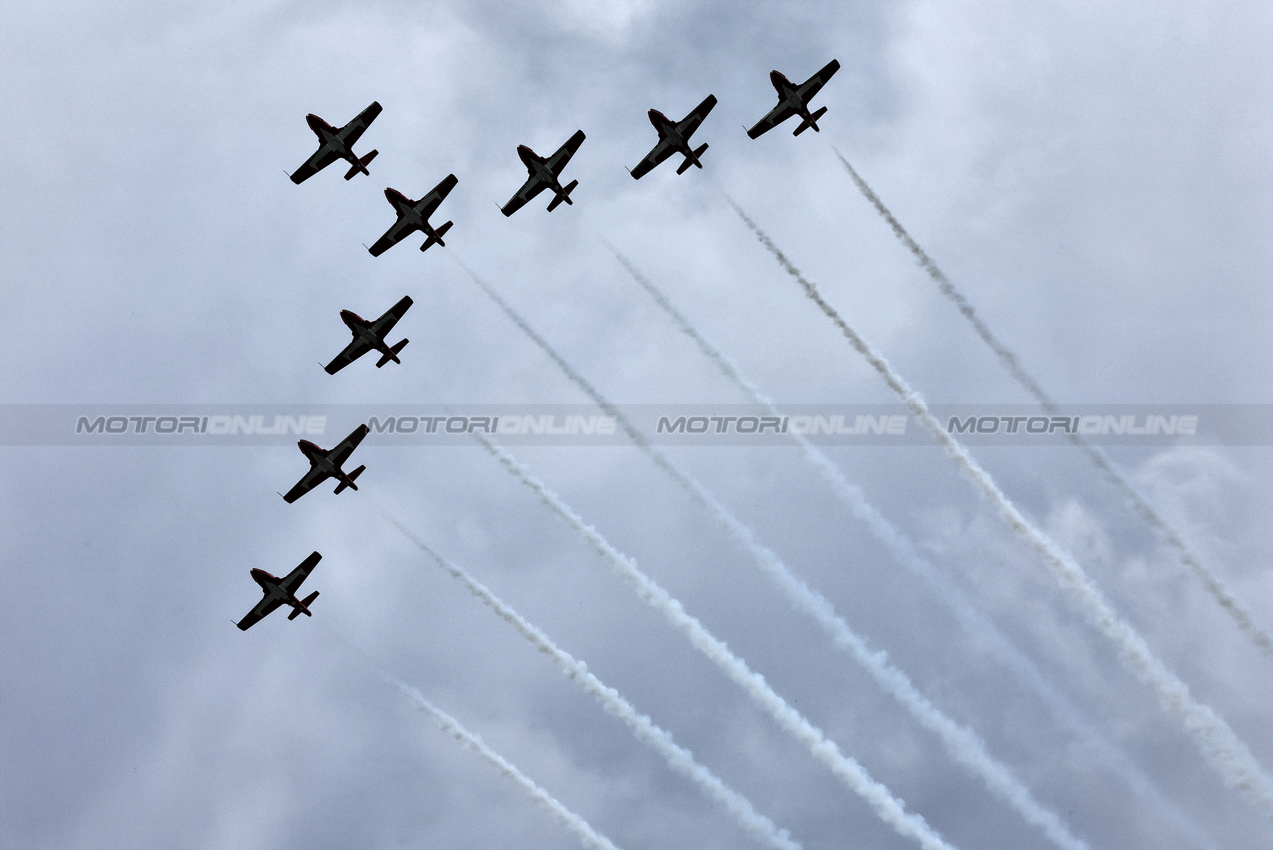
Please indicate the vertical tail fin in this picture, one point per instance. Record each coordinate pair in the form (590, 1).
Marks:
(811, 121)
(564, 196)
(435, 238)
(304, 609)
(361, 166)
(350, 483)
(692, 159)
(392, 355)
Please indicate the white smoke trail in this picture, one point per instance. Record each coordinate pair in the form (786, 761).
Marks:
(678, 758)
(1215, 739)
(972, 620)
(889, 808)
(1214, 584)
(586, 834)
(961, 743)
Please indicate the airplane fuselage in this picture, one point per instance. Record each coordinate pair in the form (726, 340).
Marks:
(790, 95)
(331, 138)
(410, 212)
(538, 167)
(670, 132)
(318, 458)
(412, 216)
(361, 329)
(274, 590)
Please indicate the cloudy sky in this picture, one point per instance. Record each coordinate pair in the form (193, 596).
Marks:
(1096, 179)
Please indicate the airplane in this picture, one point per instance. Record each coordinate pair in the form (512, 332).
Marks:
(326, 464)
(544, 174)
(674, 137)
(369, 336)
(280, 591)
(337, 144)
(413, 216)
(794, 100)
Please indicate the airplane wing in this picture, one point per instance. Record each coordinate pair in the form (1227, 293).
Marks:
(558, 161)
(258, 612)
(292, 581)
(354, 129)
(316, 163)
(308, 482)
(385, 323)
(811, 86)
(532, 187)
(346, 447)
(690, 122)
(397, 231)
(348, 355)
(776, 116)
(661, 151)
(436, 196)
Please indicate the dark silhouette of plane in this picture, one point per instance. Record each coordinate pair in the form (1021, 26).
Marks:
(336, 144)
(369, 336)
(280, 591)
(674, 137)
(544, 174)
(326, 464)
(413, 216)
(794, 100)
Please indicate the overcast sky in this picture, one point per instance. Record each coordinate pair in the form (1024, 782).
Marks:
(1095, 177)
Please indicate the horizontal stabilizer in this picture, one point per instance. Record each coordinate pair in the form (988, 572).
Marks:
(352, 476)
(304, 609)
(392, 354)
(812, 121)
(564, 196)
(360, 167)
(692, 159)
(435, 238)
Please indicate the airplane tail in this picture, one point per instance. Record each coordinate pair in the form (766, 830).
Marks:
(350, 483)
(811, 121)
(435, 238)
(564, 196)
(304, 609)
(692, 159)
(361, 166)
(392, 355)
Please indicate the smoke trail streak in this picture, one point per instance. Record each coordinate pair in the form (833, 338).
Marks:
(889, 808)
(678, 758)
(1214, 737)
(588, 836)
(972, 620)
(961, 743)
(1210, 579)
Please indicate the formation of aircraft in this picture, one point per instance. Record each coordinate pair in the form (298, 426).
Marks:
(370, 336)
(544, 174)
(327, 463)
(674, 137)
(281, 591)
(336, 144)
(413, 217)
